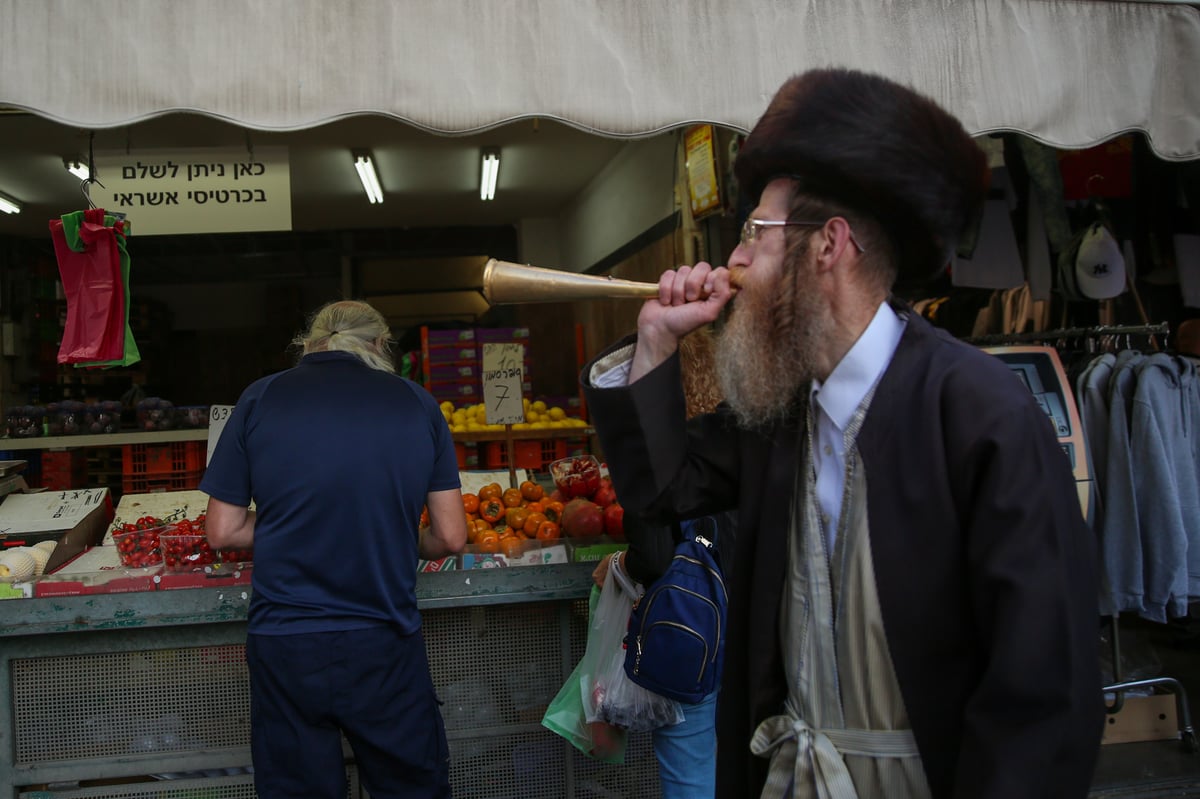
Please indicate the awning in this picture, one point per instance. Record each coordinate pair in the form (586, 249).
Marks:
(1071, 73)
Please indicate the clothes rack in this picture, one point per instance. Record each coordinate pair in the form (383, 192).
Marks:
(1063, 334)
(1119, 685)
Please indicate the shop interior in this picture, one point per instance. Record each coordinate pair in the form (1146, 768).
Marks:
(214, 308)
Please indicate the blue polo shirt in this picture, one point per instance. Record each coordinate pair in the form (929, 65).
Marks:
(338, 458)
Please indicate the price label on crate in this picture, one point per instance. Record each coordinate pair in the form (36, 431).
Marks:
(218, 415)
(503, 372)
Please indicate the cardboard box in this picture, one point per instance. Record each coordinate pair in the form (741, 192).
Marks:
(1142, 718)
(217, 575)
(170, 506)
(76, 519)
(528, 553)
(97, 570)
(483, 560)
(472, 481)
(593, 549)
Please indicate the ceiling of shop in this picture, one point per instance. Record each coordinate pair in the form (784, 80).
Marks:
(430, 183)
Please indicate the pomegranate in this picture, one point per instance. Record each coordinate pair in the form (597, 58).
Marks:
(605, 495)
(614, 521)
(582, 518)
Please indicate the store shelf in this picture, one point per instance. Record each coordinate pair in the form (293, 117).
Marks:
(106, 440)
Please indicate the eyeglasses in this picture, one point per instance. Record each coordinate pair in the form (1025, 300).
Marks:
(753, 228)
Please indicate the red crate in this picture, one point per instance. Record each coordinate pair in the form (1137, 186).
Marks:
(64, 469)
(157, 483)
(501, 335)
(536, 454)
(438, 338)
(165, 460)
(467, 455)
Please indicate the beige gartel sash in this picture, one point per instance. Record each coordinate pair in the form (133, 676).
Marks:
(845, 732)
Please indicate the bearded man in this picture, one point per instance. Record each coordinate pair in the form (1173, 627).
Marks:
(913, 597)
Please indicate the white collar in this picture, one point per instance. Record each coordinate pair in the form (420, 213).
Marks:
(843, 391)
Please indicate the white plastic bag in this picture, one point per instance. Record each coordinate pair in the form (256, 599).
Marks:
(608, 694)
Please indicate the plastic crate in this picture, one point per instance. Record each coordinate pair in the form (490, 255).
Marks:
(155, 483)
(64, 469)
(451, 353)
(499, 335)
(467, 455)
(453, 372)
(438, 338)
(536, 454)
(164, 459)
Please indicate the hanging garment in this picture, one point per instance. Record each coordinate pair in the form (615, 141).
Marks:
(89, 264)
(1091, 395)
(996, 261)
(1166, 483)
(1121, 536)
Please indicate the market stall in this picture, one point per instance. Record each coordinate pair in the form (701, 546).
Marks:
(120, 687)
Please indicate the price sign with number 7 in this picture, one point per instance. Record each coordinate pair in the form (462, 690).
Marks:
(503, 373)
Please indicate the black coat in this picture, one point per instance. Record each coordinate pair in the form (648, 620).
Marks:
(985, 569)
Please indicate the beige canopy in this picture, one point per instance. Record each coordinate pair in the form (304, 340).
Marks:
(1071, 73)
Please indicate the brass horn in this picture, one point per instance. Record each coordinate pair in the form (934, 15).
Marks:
(507, 283)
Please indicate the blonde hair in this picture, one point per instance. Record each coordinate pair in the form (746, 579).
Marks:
(697, 363)
(350, 326)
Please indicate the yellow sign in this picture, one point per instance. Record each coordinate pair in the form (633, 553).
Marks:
(703, 186)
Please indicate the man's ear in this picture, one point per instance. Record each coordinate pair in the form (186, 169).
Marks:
(838, 239)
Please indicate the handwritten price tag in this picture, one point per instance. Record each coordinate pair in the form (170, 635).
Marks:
(218, 415)
(503, 372)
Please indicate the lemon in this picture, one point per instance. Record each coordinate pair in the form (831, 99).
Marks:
(458, 428)
(447, 406)
(557, 414)
(539, 406)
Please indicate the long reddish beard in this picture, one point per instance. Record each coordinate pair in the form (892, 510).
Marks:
(768, 348)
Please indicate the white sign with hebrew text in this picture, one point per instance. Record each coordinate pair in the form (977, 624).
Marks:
(200, 190)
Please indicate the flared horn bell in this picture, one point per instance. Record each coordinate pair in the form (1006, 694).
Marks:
(507, 283)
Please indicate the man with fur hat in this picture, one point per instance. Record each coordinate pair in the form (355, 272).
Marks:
(913, 603)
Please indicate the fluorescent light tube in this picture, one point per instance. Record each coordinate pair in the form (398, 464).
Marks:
(489, 170)
(370, 180)
(79, 170)
(9, 206)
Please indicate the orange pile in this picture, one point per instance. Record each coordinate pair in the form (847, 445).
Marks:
(500, 520)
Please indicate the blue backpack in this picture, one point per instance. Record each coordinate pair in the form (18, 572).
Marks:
(676, 640)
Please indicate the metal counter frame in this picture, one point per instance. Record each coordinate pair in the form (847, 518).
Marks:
(112, 686)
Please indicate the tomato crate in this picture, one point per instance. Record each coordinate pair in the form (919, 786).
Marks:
(536, 454)
(155, 483)
(164, 460)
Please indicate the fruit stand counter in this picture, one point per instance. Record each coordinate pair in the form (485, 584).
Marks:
(107, 689)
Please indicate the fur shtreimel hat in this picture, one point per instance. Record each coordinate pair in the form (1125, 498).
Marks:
(879, 148)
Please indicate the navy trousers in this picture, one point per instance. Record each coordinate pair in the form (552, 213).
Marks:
(371, 685)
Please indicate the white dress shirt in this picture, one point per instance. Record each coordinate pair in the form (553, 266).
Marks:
(834, 403)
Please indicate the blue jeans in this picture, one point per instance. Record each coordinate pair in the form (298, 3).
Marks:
(687, 752)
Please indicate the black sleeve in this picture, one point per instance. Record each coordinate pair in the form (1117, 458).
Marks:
(651, 547)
